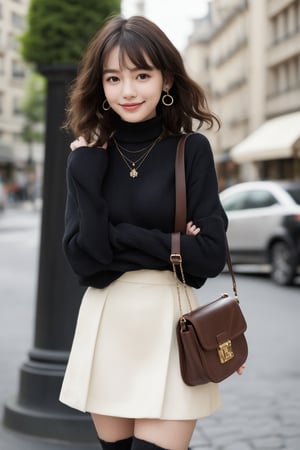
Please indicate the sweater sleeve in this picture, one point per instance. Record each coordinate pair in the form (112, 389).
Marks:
(203, 255)
(85, 241)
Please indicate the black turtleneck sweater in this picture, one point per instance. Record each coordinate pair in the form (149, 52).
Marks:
(115, 223)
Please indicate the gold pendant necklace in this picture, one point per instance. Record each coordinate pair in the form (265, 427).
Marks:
(133, 166)
(133, 173)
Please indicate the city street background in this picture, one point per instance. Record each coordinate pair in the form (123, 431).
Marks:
(246, 56)
(261, 409)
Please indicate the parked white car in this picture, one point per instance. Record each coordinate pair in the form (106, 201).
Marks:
(264, 226)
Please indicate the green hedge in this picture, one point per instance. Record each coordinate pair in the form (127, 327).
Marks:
(59, 30)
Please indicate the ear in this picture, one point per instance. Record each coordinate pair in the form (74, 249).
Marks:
(168, 82)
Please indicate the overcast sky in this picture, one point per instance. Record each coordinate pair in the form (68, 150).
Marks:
(172, 16)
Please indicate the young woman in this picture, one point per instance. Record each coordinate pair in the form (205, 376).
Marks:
(130, 103)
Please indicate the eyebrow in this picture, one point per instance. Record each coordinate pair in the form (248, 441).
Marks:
(134, 69)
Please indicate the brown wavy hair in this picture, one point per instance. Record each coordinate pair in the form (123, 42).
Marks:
(137, 38)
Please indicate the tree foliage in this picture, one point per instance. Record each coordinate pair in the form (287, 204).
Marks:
(33, 109)
(59, 30)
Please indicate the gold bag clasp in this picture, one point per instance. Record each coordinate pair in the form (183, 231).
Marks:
(225, 351)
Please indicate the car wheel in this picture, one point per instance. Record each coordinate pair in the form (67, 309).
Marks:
(283, 267)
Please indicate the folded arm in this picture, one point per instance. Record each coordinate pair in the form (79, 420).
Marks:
(86, 240)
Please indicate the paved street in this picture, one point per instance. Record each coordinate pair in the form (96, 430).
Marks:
(261, 410)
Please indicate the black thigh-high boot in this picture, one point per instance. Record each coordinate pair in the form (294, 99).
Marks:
(140, 444)
(122, 444)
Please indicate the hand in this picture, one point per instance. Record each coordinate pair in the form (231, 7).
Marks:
(191, 229)
(81, 142)
(241, 370)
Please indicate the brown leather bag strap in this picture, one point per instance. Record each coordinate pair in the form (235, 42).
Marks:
(180, 202)
(230, 268)
(181, 213)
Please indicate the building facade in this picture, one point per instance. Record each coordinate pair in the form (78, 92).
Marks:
(250, 67)
(12, 73)
(14, 152)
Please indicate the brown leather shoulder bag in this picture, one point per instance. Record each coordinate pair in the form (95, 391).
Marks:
(211, 339)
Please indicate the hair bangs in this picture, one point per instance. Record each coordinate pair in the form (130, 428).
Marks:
(138, 50)
(136, 45)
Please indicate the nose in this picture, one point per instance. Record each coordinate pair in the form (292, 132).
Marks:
(129, 90)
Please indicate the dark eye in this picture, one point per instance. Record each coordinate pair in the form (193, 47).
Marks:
(143, 76)
(112, 79)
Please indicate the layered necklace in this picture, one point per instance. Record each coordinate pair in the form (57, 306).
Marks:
(142, 154)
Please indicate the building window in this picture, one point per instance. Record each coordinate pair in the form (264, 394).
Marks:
(295, 17)
(293, 73)
(1, 65)
(12, 42)
(285, 15)
(280, 79)
(287, 76)
(17, 20)
(280, 27)
(272, 85)
(18, 70)
(291, 26)
(276, 81)
(286, 23)
(16, 107)
(1, 102)
(284, 77)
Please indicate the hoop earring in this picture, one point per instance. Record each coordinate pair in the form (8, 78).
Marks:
(167, 99)
(105, 105)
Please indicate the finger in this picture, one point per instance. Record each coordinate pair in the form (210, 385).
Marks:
(81, 141)
(94, 144)
(241, 369)
(188, 227)
(73, 145)
(194, 229)
(190, 231)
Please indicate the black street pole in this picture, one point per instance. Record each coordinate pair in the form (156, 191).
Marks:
(37, 410)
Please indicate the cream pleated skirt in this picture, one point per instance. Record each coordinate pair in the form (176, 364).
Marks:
(124, 360)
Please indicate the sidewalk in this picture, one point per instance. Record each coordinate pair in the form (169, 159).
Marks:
(19, 240)
(261, 409)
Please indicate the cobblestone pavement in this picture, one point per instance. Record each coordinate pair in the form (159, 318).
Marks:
(261, 409)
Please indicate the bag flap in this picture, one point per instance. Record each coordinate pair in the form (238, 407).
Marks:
(217, 322)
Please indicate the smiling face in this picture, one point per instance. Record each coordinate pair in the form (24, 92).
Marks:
(133, 93)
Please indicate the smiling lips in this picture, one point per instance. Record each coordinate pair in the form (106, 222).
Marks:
(131, 106)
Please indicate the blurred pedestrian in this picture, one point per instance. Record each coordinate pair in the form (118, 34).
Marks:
(21, 184)
(130, 104)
